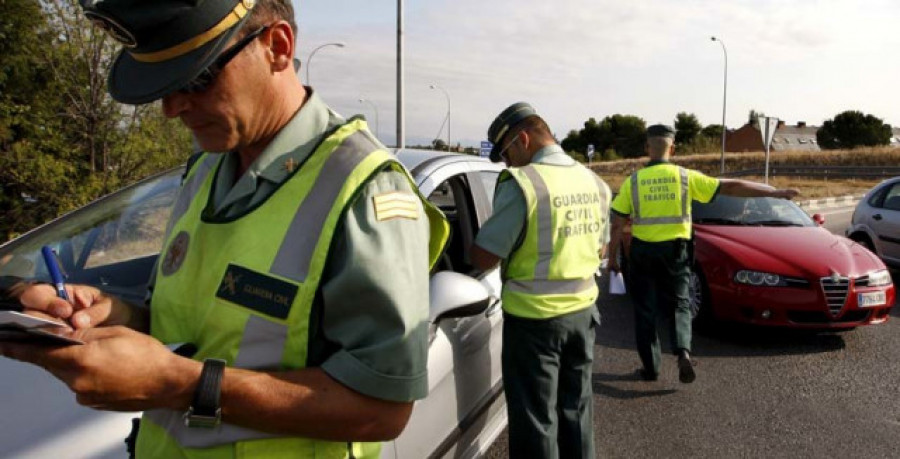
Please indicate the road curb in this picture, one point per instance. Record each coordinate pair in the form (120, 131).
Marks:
(838, 201)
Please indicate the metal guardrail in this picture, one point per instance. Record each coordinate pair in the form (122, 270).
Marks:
(788, 170)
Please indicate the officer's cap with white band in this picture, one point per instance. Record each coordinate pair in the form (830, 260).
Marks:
(166, 43)
(504, 124)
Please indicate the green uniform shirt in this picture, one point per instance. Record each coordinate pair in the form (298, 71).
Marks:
(362, 279)
(502, 233)
(701, 187)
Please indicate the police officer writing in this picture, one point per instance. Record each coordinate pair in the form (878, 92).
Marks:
(548, 227)
(279, 262)
(657, 199)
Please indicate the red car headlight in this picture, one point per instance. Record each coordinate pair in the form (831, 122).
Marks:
(879, 278)
(759, 279)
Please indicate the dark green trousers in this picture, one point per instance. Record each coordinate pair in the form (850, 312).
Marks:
(659, 277)
(547, 367)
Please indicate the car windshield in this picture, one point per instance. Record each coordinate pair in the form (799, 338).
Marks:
(728, 210)
(111, 243)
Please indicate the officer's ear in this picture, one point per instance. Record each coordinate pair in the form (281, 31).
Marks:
(280, 42)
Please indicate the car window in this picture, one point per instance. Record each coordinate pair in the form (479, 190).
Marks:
(454, 198)
(729, 210)
(489, 180)
(111, 243)
(877, 197)
(892, 198)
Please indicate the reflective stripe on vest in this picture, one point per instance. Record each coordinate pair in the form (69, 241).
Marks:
(317, 195)
(550, 287)
(544, 223)
(296, 251)
(191, 186)
(551, 272)
(637, 219)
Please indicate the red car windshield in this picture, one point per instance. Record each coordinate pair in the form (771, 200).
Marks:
(728, 210)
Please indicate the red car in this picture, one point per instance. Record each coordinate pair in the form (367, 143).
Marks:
(764, 261)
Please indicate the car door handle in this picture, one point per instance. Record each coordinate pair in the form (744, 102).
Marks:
(876, 217)
(494, 307)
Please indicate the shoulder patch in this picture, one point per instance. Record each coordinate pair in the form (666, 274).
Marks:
(396, 204)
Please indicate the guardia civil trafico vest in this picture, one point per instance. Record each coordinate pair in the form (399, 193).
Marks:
(552, 272)
(242, 289)
(660, 203)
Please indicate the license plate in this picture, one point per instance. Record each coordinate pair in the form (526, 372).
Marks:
(869, 299)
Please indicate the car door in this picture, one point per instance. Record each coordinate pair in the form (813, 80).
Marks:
(464, 410)
(111, 244)
(885, 222)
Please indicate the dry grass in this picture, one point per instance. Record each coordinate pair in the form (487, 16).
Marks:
(615, 172)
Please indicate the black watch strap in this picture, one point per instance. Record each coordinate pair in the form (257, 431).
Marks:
(205, 411)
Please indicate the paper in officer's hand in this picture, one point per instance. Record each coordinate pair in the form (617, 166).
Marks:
(616, 283)
(16, 326)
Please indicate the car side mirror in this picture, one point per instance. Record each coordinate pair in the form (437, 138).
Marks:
(456, 295)
(819, 219)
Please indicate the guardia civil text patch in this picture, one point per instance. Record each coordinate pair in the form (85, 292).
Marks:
(259, 292)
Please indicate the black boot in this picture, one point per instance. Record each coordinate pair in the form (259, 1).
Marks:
(685, 367)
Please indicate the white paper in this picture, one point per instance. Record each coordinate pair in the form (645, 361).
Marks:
(17, 326)
(23, 321)
(616, 283)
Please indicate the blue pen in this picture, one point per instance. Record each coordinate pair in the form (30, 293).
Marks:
(55, 273)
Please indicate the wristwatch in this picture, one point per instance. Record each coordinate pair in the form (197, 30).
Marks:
(205, 411)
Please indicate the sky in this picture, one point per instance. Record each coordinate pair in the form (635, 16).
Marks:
(798, 60)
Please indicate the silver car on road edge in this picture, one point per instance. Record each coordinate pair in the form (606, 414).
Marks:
(876, 221)
(113, 243)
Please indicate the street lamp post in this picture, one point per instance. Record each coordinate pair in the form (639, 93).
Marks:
(375, 108)
(724, 99)
(447, 119)
(401, 115)
(309, 60)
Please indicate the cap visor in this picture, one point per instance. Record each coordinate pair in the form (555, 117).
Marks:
(134, 82)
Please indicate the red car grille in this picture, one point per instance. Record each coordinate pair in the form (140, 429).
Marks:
(835, 288)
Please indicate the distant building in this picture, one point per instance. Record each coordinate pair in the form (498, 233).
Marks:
(787, 138)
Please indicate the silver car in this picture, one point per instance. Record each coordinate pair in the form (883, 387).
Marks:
(113, 243)
(876, 221)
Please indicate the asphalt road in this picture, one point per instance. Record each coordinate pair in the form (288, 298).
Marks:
(759, 392)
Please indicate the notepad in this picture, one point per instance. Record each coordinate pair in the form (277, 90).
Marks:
(16, 326)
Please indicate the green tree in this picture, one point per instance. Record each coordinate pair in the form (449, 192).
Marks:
(572, 142)
(622, 134)
(625, 134)
(63, 140)
(439, 145)
(687, 127)
(712, 131)
(754, 116)
(852, 129)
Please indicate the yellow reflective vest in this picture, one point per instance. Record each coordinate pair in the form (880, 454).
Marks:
(242, 289)
(659, 197)
(552, 272)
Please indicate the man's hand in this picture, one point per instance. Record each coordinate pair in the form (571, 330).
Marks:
(612, 265)
(90, 307)
(116, 369)
(786, 193)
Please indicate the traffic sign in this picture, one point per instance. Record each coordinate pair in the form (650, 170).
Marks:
(590, 150)
(485, 149)
(767, 127)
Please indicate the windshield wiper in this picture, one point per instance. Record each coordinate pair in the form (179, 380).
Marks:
(719, 221)
(774, 223)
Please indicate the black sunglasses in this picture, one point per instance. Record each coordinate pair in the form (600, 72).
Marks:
(205, 79)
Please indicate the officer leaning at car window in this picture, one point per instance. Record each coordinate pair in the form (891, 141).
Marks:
(548, 227)
(280, 263)
(657, 199)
